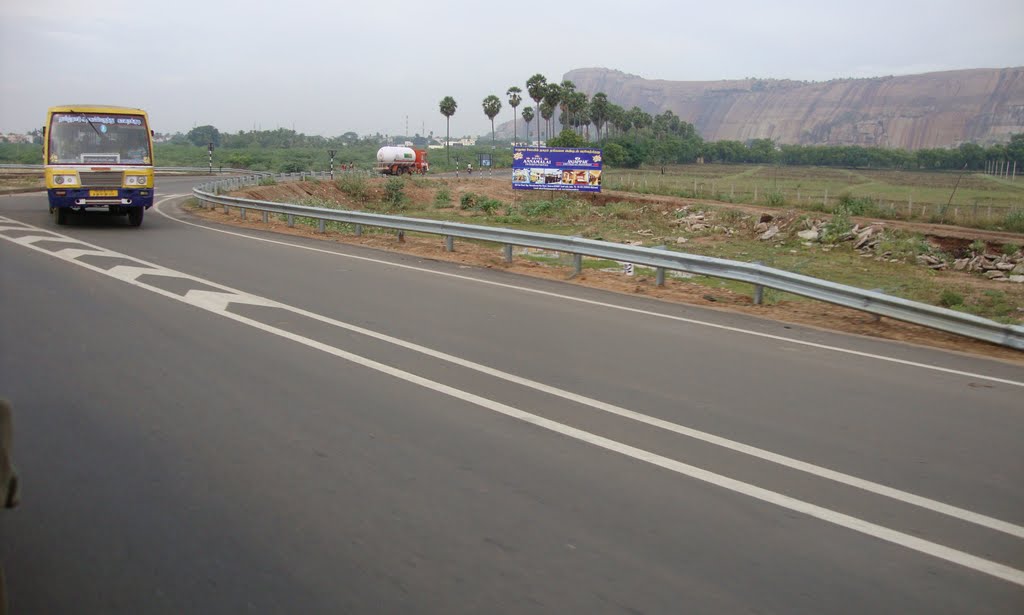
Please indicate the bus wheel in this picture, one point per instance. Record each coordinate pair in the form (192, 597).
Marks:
(135, 215)
(60, 215)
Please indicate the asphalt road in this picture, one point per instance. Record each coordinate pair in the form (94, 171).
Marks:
(258, 423)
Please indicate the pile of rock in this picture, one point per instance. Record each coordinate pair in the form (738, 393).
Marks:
(994, 266)
(694, 222)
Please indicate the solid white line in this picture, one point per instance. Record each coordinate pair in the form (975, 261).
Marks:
(221, 300)
(612, 306)
(908, 541)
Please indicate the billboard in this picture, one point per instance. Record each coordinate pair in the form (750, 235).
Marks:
(556, 168)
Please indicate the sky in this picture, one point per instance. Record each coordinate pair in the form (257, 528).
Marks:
(333, 66)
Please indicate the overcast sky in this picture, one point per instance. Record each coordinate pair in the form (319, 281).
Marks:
(328, 67)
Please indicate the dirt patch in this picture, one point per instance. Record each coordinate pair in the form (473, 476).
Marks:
(815, 314)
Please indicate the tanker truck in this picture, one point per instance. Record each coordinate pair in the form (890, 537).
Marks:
(393, 160)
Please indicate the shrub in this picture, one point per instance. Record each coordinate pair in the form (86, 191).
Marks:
(268, 180)
(1014, 221)
(471, 200)
(857, 206)
(775, 199)
(443, 196)
(838, 226)
(394, 191)
(950, 298)
(353, 185)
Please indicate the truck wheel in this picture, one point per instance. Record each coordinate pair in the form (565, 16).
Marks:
(60, 215)
(135, 215)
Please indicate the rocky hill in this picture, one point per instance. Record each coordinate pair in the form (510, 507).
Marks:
(943, 109)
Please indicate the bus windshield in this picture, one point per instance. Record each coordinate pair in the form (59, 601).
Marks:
(99, 138)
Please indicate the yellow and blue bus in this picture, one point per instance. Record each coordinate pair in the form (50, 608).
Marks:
(98, 157)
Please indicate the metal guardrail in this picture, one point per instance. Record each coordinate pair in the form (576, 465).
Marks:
(869, 301)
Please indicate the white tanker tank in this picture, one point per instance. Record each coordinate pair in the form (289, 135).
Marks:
(394, 160)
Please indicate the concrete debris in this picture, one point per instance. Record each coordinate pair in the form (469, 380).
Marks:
(995, 274)
(809, 235)
(1019, 279)
(769, 234)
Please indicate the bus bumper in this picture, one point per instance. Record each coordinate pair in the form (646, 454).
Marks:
(84, 197)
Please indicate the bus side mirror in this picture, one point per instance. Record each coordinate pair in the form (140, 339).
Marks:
(44, 132)
(152, 132)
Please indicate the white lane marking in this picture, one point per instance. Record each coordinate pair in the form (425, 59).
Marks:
(612, 306)
(902, 539)
(220, 300)
(76, 252)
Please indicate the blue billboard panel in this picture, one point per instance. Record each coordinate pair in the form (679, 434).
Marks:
(556, 168)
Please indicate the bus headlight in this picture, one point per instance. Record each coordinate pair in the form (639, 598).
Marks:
(61, 180)
(135, 180)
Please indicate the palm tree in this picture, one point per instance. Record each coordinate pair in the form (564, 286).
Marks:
(492, 105)
(536, 87)
(566, 93)
(514, 98)
(547, 112)
(552, 96)
(527, 117)
(599, 110)
(448, 107)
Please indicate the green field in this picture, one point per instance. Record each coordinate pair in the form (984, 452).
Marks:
(979, 200)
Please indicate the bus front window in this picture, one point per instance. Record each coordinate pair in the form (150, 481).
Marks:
(77, 138)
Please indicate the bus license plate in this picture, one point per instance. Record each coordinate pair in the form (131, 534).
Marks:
(103, 193)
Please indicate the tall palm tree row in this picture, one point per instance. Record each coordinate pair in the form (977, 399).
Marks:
(448, 107)
(528, 117)
(492, 106)
(514, 98)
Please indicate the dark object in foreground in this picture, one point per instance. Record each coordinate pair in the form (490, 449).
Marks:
(8, 477)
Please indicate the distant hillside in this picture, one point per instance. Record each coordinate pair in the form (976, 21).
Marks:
(931, 110)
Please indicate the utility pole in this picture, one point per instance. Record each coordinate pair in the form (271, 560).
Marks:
(211, 157)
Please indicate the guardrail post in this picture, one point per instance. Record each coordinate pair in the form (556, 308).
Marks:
(242, 210)
(401, 236)
(291, 220)
(266, 217)
(226, 209)
(359, 230)
(508, 253)
(659, 276)
(449, 243)
(758, 290)
(322, 226)
(577, 264)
